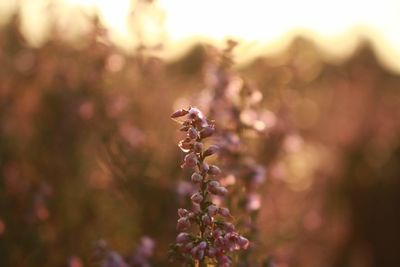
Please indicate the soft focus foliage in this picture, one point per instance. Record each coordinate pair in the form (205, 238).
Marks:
(87, 152)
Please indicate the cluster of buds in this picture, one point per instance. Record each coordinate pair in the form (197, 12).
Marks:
(206, 236)
(235, 103)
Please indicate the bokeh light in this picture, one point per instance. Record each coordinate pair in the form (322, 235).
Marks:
(304, 94)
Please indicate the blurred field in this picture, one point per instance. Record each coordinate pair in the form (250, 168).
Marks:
(88, 152)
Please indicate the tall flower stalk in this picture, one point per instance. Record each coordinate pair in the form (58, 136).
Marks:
(236, 105)
(206, 236)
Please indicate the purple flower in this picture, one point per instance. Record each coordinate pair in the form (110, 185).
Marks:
(190, 160)
(183, 224)
(179, 113)
(196, 178)
(212, 239)
(182, 212)
(197, 198)
(183, 238)
(207, 220)
(207, 132)
(224, 212)
(211, 150)
(194, 113)
(212, 210)
(214, 170)
(243, 242)
(221, 191)
(204, 167)
(192, 133)
(197, 147)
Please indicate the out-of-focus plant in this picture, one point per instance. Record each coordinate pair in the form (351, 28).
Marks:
(242, 124)
(74, 153)
(139, 258)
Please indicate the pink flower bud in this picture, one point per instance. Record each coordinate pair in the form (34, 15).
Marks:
(182, 212)
(243, 242)
(194, 113)
(213, 187)
(221, 191)
(224, 212)
(201, 122)
(214, 170)
(179, 113)
(198, 147)
(206, 132)
(192, 133)
(190, 160)
(207, 220)
(211, 150)
(202, 245)
(183, 224)
(230, 240)
(182, 238)
(197, 198)
(217, 233)
(213, 184)
(229, 227)
(212, 210)
(204, 167)
(185, 146)
(196, 178)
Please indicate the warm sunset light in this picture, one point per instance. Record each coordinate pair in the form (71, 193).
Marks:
(261, 26)
(201, 133)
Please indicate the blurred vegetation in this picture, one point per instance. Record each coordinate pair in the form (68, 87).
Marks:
(87, 152)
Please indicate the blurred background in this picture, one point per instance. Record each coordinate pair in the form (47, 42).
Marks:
(88, 152)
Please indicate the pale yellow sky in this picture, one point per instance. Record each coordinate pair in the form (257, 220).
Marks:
(261, 25)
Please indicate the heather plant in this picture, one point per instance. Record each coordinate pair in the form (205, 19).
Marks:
(106, 257)
(56, 107)
(206, 236)
(81, 156)
(241, 123)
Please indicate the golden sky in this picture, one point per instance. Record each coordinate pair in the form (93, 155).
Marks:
(260, 25)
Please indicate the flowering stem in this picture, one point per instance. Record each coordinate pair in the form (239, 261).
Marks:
(215, 239)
